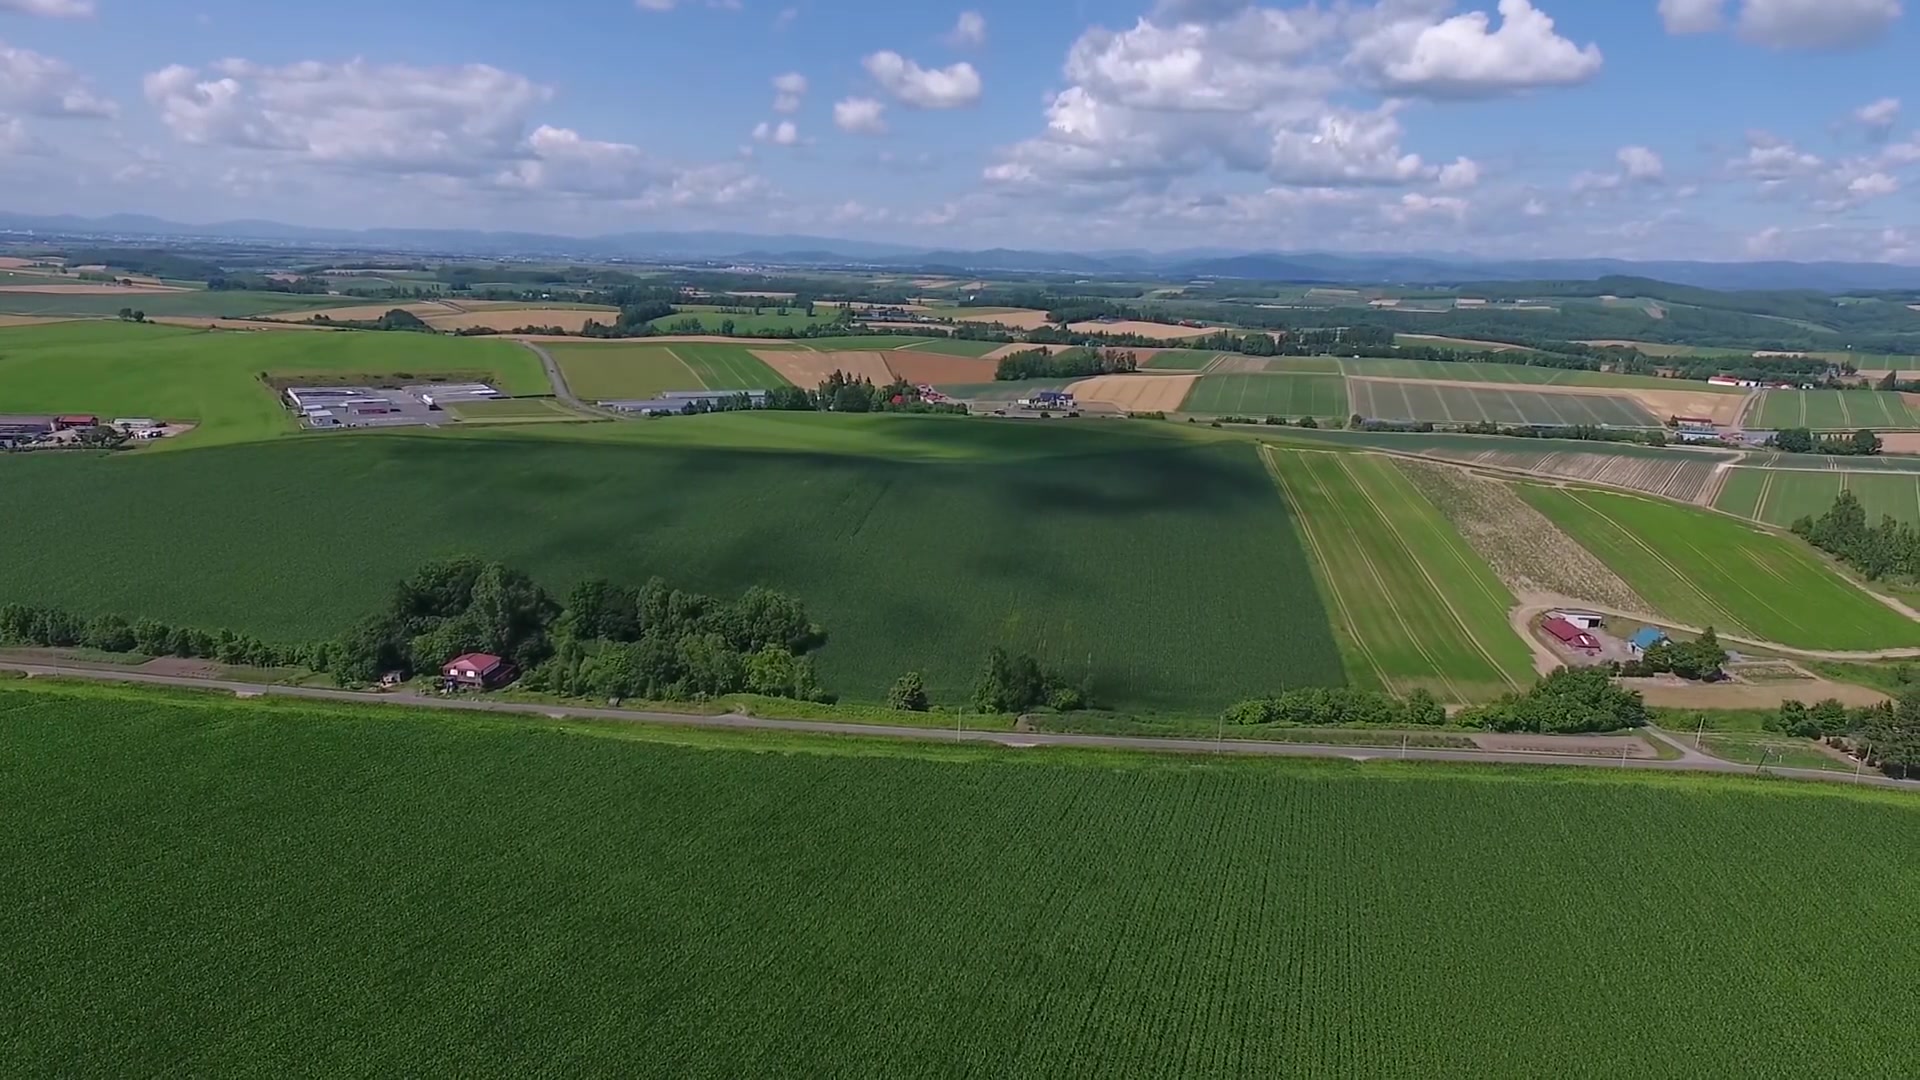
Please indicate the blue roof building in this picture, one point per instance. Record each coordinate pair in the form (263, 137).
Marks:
(1646, 638)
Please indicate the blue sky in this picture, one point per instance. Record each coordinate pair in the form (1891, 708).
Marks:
(1720, 129)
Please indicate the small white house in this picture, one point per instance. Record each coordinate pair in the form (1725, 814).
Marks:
(1585, 620)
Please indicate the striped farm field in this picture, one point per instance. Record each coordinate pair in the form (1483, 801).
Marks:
(1783, 496)
(727, 367)
(1834, 410)
(633, 372)
(1680, 476)
(955, 347)
(1387, 399)
(1412, 605)
(1703, 569)
(1180, 360)
(1269, 395)
(1521, 374)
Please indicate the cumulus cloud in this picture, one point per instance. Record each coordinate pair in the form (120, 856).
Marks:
(1878, 117)
(783, 133)
(52, 9)
(788, 90)
(1816, 24)
(1693, 16)
(1463, 173)
(860, 116)
(1345, 148)
(1463, 57)
(1641, 163)
(924, 88)
(44, 86)
(1769, 158)
(13, 137)
(1232, 65)
(970, 32)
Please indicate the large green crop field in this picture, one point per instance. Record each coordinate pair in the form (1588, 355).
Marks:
(602, 372)
(1783, 496)
(1269, 395)
(1073, 541)
(212, 378)
(746, 323)
(1834, 410)
(1704, 569)
(194, 302)
(224, 888)
(1385, 399)
(1412, 605)
(727, 367)
(958, 347)
(1520, 374)
(1181, 360)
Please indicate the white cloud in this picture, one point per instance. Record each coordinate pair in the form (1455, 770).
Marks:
(782, 134)
(1873, 186)
(1641, 163)
(52, 9)
(1413, 206)
(455, 121)
(1345, 148)
(970, 32)
(1461, 57)
(1765, 242)
(1235, 65)
(657, 6)
(1693, 16)
(1769, 158)
(860, 116)
(44, 86)
(560, 160)
(1463, 173)
(788, 89)
(13, 137)
(924, 88)
(1816, 24)
(1878, 117)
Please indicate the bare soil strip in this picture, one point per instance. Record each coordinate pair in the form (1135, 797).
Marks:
(92, 289)
(1159, 331)
(37, 320)
(1005, 351)
(1136, 393)
(1019, 320)
(921, 368)
(569, 319)
(200, 322)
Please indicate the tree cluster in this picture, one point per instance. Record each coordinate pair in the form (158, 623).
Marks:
(1862, 443)
(846, 393)
(1339, 707)
(1885, 736)
(1018, 682)
(1068, 364)
(1571, 701)
(447, 608)
(1890, 549)
(1700, 660)
(56, 628)
(128, 314)
(397, 319)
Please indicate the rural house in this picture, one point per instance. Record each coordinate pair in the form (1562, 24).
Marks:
(477, 671)
(1585, 620)
(1645, 638)
(1571, 636)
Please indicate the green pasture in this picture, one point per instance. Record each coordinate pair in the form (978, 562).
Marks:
(1298, 365)
(1385, 399)
(212, 378)
(1412, 605)
(1782, 496)
(1180, 360)
(1703, 569)
(635, 372)
(264, 888)
(1833, 410)
(195, 303)
(726, 367)
(957, 347)
(914, 540)
(746, 323)
(1519, 373)
(1269, 395)
(514, 411)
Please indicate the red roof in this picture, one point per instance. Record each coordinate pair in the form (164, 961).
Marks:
(477, 662)
(78, 420)
(1570, 634)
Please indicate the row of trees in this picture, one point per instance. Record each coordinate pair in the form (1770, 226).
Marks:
(1068, 364)
(1890, 549)
(1862, 443)
(56, 628)
(1886, 736)
(1569, 701)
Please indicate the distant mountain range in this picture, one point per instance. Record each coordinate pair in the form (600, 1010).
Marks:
(792, 250)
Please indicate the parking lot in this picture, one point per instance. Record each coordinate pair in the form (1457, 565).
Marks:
(330, 408)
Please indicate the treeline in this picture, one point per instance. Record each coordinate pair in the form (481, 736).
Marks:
(1885, 736)
(398, 319)
(242, 282)
(1862, 443)
(1568, 702)
(840, 392)
(1890, 549)
(56, 628)
(1067, 364)
(1655, 437)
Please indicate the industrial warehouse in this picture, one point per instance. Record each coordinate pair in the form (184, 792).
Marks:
(326, 408)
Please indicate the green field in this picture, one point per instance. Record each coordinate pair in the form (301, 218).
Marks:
(212, 378)
(1833, 410)
(1383, 399)
(1309, 365)
(225, 888)
(1269, 395)
(1783, 496)
(726, 367)
(1005, 390)
(514, 411)
(1703, 569)
(921, 560)
(1412, 605)
(1522, 374)
(957, 347)
(1180, 360)
(875, 342)
(747, 324)
(197, 303)
(634, 372)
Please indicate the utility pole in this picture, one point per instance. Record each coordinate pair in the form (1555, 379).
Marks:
(1700, 733)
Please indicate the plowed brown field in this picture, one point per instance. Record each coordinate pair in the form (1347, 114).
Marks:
(91, 289)
(935, 368)
(1136, 393)
(810, 369)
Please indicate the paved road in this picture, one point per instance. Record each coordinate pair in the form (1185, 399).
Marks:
(1689, 761)
(560, 388)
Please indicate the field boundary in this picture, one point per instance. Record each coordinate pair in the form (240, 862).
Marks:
(1320, 564)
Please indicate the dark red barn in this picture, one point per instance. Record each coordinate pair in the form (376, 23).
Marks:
(479, 671)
